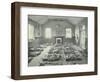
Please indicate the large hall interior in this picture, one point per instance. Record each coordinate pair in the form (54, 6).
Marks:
(57, 40)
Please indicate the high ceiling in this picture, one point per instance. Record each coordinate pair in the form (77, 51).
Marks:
(43, 18)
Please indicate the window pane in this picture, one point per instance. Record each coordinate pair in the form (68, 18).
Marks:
(30, 32)
(48, 33)
(77, 34)
(68, 33)
(83, 37)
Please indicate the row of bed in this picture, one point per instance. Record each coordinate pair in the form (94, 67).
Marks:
(57, 55)
(34, 52)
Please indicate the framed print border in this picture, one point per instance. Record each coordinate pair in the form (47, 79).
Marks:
(15, 39)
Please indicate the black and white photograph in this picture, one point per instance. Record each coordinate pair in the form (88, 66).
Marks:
(57, 40)
(53, 40)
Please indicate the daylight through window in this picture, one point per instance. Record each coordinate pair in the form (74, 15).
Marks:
(31, 31)
(68, 33)
(48, 33)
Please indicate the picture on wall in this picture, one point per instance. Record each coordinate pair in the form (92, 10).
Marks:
(53, 40)
(57, 40)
